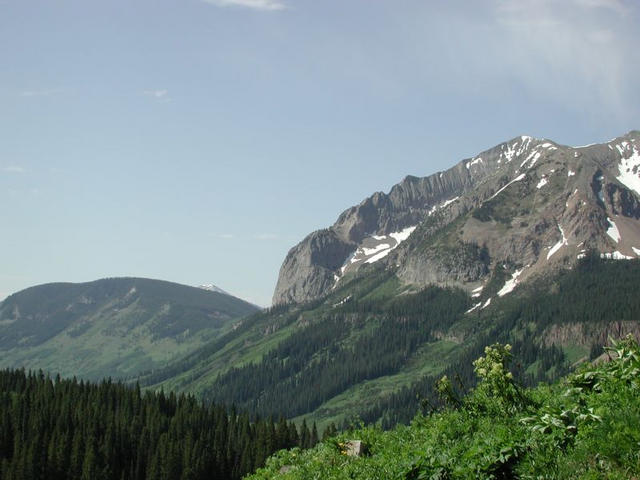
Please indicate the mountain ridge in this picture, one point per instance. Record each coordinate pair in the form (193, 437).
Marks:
(411, 284)
(313, 267)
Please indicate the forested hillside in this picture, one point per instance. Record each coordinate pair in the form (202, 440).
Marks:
(54, 429)
(371, 349)
(114, 327)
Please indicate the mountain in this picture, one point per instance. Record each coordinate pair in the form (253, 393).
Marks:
(112, 327)
(528, 204)
(212, 288)
(522, 244)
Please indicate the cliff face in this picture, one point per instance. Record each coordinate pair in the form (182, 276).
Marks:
(525, 205)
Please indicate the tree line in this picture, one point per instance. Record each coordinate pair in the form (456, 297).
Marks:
(59, 429)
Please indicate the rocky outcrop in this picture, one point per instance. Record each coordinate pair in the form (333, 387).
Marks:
(309, 268)
(463, 264)
(586, 335)
(526, 205)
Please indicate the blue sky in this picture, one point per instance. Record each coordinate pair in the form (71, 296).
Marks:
(197, 141)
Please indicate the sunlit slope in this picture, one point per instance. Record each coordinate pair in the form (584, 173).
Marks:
(113, 327)
(372, 346)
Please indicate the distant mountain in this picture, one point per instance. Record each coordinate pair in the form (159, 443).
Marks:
(530, 243)
(212, 288)
(112, 327)
(528, 204)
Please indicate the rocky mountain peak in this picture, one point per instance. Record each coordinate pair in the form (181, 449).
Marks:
(524, 206)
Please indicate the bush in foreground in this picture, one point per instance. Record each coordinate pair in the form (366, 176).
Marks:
(585, 427)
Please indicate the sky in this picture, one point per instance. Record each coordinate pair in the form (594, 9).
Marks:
(197, 141)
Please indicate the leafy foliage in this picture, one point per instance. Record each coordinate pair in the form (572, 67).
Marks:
(586, 426)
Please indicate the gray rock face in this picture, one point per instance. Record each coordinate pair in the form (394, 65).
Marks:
(355, 448)
(308, 270)
(525, 204)
(310, 267)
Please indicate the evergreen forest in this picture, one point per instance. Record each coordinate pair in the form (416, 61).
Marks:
(57, 429)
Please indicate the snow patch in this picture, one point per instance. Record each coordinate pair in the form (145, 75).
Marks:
(510, 284)
(613, 231)
(517, 179)
(570, 173)
(376, 249)
(622, 147)
(444, 204)
(379, 246)
(378, 256)
(402, 235)
(486, 304)
(629, 169)
(476, 292)
(531, 159)
(435, 208)
(566, 204)
(212, 288)
(615, 256)
(558, 245)
(636, 251)
(543, 181)
(351, 259)
(516, 149)
(473, 162)
(343, 301)
(474, 307)
(600, 194)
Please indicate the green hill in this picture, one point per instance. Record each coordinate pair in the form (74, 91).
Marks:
(112, 327)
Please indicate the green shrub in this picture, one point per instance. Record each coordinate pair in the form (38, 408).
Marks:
(584, 427)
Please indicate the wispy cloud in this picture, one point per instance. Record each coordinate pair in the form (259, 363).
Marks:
(615, 5)
(13, 169)
(160, 95)
(40, 93)
(587, 45)
(225, 236)
(268, 5)
(266, 236)
(156, 93)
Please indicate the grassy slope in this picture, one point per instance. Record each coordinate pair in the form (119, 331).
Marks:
(586, 426)
(431, 359)
(111, 327)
